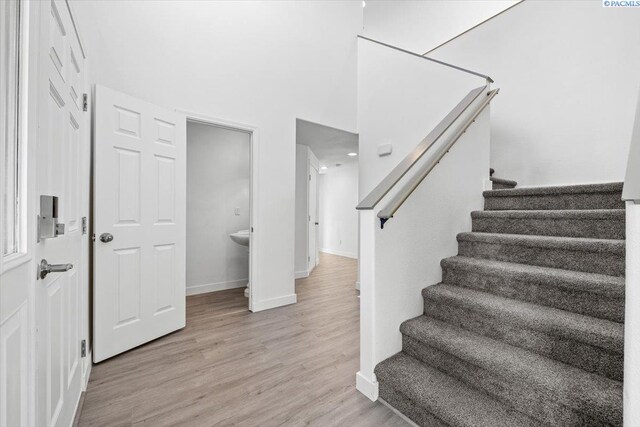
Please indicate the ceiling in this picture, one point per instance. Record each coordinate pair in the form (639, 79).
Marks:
(330, 145)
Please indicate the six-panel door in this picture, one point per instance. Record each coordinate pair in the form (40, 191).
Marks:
(140, 202)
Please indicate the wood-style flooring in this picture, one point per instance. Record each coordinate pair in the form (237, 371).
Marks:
(290, 366)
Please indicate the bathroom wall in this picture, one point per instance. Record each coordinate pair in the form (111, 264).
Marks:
(218, 170)
(338, 215)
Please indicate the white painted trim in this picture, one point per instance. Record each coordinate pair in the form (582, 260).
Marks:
(274, 302)
(367, 387)
(301, 274)
(87, 371)
(366, 379)
(254, 238)
(631, 189)
(213, 287)
(398, 413)
(631, 384)
(339, 253)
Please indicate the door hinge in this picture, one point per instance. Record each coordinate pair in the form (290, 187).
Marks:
(85, 102)
(83, 348)
(84, 225)
(309, 258)
(309, 177)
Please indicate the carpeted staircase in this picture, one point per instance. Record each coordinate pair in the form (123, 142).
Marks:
(526, 328)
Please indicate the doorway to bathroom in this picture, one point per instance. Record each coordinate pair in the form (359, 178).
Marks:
(220, 232)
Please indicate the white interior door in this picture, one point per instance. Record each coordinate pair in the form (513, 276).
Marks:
(62, 171)
(139, 203)
(313, 217)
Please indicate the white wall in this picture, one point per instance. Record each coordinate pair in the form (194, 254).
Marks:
(304, 159)
(398, 262)
(420, 26)
(338, 215)
(568, 73)
(404, 109)
(218, 170)
(260, 63)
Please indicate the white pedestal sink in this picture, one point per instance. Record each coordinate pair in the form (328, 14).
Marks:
(242, 238)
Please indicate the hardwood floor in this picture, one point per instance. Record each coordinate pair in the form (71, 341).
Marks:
(291, 366)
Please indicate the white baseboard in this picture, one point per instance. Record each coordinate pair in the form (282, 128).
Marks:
(339, 253)
(301, 274)
(87, 372)
(274, 302)
(398, 413)
(367, 387)
(212, 287)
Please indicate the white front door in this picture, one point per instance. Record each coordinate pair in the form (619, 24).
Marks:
(139, 222)
(313, 217)
(62, 171)
(17, 368)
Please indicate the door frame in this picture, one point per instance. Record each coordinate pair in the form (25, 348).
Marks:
(254, 239)
(316, 252)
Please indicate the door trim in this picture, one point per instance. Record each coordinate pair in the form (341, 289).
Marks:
(254, 238)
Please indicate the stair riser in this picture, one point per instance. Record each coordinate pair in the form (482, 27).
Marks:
(592, 228)
(521, 395)
(415, 413)
(587, 357)
(604, 262)
(555, 201)
(539, 293)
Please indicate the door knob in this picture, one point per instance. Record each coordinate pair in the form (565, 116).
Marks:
(45, 268)
(106, 237)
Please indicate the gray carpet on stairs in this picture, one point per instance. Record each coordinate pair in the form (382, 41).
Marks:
(526, 326)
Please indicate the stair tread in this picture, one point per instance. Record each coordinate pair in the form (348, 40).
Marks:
(600, 284)
(578, 214)
(611, 187)
(589, 330)
(556, 242)
(573, 387)
(445, 397)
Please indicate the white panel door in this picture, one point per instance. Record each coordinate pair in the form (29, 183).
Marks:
(16, 275)
(313, 217)
(62, 144)
(139, 202)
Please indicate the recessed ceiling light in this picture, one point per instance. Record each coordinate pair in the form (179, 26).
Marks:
(364, 3)
(323, 168)
(352, 154)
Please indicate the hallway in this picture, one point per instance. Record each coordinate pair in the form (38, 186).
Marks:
(293, 365)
